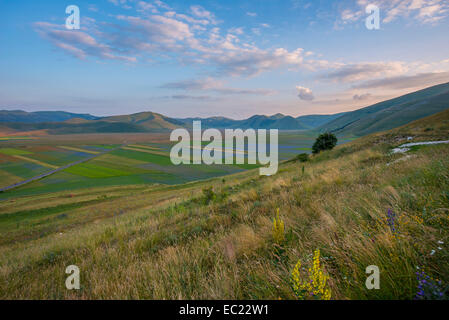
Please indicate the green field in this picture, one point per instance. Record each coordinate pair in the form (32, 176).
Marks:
(13, 152)
(91, 170)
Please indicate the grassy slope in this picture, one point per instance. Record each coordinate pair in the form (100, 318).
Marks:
(165, 242)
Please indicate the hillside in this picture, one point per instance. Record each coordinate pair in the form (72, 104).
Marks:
(316, 121)
(40, 116)
(392, 113)
(357, 204)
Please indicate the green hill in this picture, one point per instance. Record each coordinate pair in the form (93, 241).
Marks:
(40, 116)
(392, 113)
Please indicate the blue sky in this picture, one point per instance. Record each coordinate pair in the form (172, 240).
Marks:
(218, 58)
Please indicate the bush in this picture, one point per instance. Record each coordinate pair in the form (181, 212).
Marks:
(303, 157)
(209, 195)
(326, 141)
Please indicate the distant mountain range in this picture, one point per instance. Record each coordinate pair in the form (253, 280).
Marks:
(379, 117)
(278, 121)
(149, 122)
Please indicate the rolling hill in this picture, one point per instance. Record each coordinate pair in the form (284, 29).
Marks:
(392, 113)
(40, 116)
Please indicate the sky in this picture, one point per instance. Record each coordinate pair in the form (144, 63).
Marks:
(218, 57)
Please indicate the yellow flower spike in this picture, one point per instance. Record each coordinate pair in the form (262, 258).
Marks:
(278, 229)
(315, 285)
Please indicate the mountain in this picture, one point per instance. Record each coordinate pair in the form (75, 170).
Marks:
(40, 116)
(392, 113)
(139, 122)
(146, 120)
(277, 121)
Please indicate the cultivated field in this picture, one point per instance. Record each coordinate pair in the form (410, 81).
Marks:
(121, 159)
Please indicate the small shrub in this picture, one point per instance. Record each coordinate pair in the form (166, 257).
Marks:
(325, 141)
(313, 286)
(209, 195)
(278, 229)
(303, 157)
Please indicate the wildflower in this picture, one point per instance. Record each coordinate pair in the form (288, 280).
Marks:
(315, 285)
(278, 229)
(432, 252)
(428, 288)
(440, 242)
(391, 221)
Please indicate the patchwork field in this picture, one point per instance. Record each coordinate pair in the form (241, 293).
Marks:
(139, 159)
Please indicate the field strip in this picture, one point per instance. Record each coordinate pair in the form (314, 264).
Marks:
(55, 169)
(79, 150)
(146, 151)
(36, 162)
(143, 147)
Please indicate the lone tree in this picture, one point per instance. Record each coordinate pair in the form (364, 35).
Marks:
(326, 141)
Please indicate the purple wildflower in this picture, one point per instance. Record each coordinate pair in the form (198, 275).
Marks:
(391, 220)
(429, 289)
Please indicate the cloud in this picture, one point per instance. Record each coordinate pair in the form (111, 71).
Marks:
(361, 97)
(143, 6)
(200, 12)
(122, 3)
(238, 31)
(305, 93)
(157, 29)
(364, 71)
(92, 7)
(253, 61)
(189, 97)
(423, 11)
(251, 14)
(406, 82)
(212, 85)
(256, 31)
(157, 32)
(78, 43)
